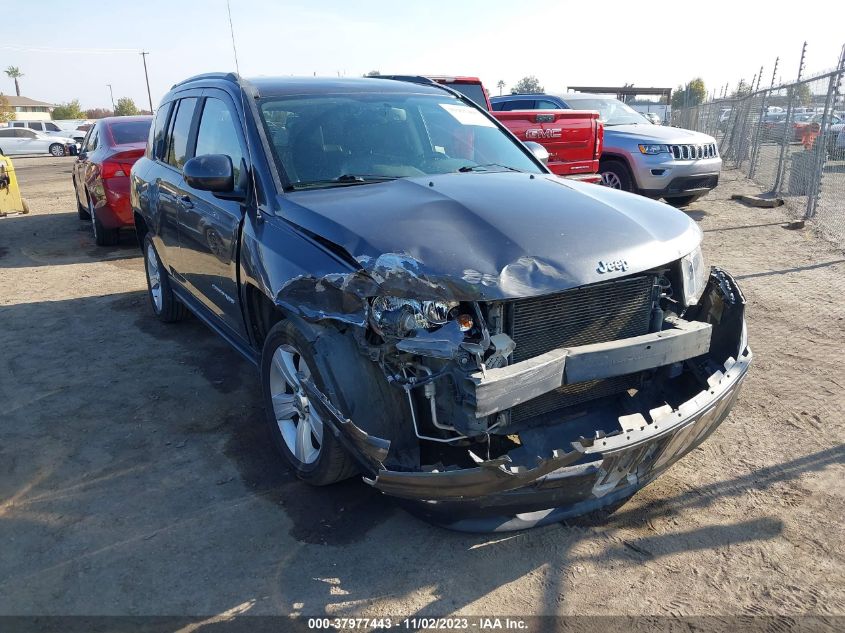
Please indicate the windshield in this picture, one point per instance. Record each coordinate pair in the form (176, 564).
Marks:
(338, 140)
(611, 111)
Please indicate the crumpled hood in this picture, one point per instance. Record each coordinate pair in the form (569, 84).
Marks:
(657, 134)
(482, 236)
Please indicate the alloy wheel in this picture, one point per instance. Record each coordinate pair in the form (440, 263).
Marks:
(609, 179)
(299, 423)
(154, 275)
(93, 219)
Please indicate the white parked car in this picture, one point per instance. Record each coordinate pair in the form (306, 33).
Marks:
(16, 140)
(50, 128)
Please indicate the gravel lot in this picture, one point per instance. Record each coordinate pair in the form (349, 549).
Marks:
(135, 477)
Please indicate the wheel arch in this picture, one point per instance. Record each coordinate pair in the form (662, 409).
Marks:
(612, 157)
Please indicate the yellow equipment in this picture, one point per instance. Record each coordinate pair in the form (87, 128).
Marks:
(10, 194)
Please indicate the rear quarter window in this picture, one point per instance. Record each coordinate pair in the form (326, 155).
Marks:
(177, 152)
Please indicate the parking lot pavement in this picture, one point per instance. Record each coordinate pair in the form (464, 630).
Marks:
(135, 476)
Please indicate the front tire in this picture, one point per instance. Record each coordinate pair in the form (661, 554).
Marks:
(298, 431)
(166, 306)
(57, 149)
(615, 175)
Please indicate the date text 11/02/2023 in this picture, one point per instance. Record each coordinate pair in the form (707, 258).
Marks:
(420, 623)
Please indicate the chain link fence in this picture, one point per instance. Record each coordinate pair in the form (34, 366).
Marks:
(789, 139)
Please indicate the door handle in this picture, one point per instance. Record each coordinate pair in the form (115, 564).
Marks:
(186, 201)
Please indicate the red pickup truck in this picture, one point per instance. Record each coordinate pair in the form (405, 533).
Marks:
(573, 138)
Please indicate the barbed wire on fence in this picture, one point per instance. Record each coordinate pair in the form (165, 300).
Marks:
(787, 138)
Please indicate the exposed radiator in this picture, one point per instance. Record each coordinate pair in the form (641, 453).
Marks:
(592, 314)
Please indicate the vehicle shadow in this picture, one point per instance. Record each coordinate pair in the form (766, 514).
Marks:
(156, 459)
(482, 564)
(57, 239)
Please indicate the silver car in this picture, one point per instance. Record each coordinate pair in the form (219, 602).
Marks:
(655, 161)
(16, 141)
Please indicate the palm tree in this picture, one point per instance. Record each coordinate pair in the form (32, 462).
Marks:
(14, 72)
(501, 85)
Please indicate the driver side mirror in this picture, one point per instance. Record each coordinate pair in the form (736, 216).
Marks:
(540, 152)
(211, 172)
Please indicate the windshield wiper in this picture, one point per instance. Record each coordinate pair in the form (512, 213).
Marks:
(344, 179)
(468, 168)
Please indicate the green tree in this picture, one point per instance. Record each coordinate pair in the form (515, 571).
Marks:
(69, 110)
(373, 73)
(6, 112)
(15, 73)
(125, 107)
(803, 94)
(501, 86)
(693, 94)
(528, 85)
(742, 90)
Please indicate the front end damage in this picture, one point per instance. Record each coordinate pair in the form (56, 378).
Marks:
(615, 382)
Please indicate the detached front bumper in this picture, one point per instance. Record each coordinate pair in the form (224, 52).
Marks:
(561, 470)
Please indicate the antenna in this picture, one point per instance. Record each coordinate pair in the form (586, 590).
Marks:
(258, 215)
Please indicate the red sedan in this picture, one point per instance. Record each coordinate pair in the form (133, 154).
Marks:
(101, 174)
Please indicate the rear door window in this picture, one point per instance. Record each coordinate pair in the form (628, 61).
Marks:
(543, 104)
(92, 139)
(180, 133)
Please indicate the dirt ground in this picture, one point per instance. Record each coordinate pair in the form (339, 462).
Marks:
(135, 476)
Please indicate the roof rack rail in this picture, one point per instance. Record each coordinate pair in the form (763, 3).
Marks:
(233, 77)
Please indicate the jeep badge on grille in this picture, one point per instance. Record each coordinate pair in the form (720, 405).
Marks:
(620, 265)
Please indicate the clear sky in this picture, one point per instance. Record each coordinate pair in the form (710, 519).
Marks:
(67, 50)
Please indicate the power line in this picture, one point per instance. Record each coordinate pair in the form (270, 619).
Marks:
(52, 49)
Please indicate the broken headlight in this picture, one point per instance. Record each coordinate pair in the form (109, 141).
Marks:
(394, 316)
(694, 274)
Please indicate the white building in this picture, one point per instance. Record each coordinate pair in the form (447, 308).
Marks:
(27, 109)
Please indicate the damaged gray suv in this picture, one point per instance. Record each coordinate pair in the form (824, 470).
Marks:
(428, 306)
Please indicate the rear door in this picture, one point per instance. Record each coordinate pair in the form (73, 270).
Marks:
(209, 226)
(81, 163)
(30, 143)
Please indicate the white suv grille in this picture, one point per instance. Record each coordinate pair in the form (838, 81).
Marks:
(693, 152)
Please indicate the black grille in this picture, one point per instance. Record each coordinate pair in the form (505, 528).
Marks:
(591, 314)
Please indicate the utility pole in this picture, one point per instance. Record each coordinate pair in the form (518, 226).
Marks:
(147, 77)
(112, 97)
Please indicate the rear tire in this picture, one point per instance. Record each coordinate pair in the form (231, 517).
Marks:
(682, 201)
(102, 235)
(302, 438)
(57, 149)
(166, 307)
(616, 175)
(81, 211)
